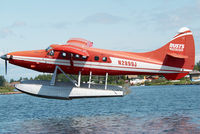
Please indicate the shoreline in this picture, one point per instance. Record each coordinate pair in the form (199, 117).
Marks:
(8, 93)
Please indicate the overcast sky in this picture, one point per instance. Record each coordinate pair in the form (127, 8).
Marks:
(128, 25)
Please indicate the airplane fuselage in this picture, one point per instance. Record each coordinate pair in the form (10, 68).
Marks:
(99, 62)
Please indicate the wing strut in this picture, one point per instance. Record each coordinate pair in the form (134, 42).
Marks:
(53, 80)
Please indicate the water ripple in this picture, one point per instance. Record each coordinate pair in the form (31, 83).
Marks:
(147, 110)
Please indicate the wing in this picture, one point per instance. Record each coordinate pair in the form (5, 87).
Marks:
(70, 49)
(79, 42)
(74, 45)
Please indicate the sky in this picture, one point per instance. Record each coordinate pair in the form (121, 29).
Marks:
(126, 25)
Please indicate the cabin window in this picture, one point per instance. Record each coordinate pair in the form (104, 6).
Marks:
(96, 58)
(64, 54)
(77, 56)
(51, 53)
(104, 58)
(84, 57)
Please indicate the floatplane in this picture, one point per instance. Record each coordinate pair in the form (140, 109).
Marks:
(78, 57)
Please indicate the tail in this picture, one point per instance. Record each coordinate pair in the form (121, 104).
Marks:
(178, 55)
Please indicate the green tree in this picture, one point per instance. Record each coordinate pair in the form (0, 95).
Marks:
(85, 78)
(12, 80)
(25, 79)
(43, 77)
(62, 78)
(2, 80)
(197, 66)
(20, 79)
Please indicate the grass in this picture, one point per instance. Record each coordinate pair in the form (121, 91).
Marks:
(6, 89)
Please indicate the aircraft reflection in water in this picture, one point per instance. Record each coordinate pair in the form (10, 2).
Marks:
(112, 124)
(174, 60)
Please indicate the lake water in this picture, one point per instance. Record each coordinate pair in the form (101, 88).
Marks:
(146, 110)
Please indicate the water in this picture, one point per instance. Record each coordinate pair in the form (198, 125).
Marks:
(147, 110)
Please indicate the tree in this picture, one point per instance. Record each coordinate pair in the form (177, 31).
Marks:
(43, 77)
(2, 81)
(12, 80)
(197, 66)
(62, 78)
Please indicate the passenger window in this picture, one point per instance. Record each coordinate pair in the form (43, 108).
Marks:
(84, 57)
(64, 54)
(104, 58)
(77, 56)
(96, 58)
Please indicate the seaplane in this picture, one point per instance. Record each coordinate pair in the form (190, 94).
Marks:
(78, 57)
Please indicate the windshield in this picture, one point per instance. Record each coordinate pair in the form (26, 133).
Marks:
(48, 48)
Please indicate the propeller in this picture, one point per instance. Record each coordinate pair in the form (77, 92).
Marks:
(6, 58)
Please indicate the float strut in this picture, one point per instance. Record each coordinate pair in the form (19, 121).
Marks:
(79, 79)
(106, 81)
(90, 78)
(53, 79)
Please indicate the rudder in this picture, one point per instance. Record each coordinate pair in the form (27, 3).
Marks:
(180, 54)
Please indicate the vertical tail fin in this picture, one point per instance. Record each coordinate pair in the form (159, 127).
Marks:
(178, 53)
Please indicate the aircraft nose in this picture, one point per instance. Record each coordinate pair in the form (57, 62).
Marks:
(5, 57)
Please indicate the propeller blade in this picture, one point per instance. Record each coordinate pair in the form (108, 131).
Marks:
(6, 65)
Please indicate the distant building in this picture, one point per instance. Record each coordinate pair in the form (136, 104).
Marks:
(194, 76)
(131, 76)
(137, 81)
(13, 83)
(152, 77)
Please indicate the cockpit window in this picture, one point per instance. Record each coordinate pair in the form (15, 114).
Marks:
(51, 53)
(48, 48)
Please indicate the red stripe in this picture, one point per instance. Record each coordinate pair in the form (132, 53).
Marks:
(107, 66)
